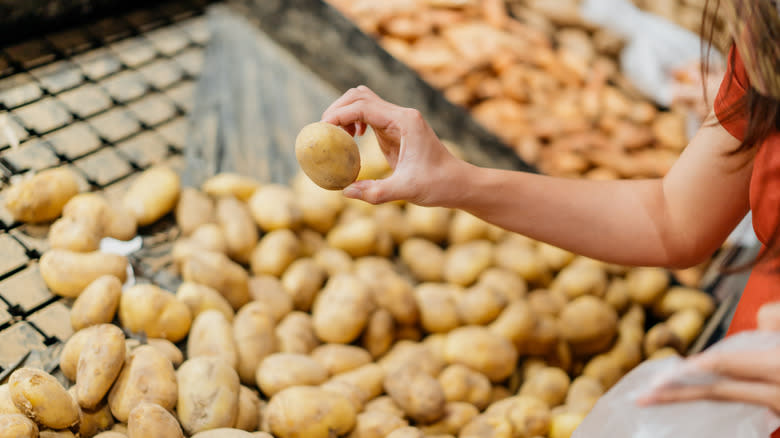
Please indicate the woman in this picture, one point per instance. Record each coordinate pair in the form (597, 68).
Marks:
(731, 166)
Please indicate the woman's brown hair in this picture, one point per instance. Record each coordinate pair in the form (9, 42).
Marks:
(762, 111)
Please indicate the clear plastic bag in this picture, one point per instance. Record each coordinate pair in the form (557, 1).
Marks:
(618, 415)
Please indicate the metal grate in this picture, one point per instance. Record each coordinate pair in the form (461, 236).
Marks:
(107, 100)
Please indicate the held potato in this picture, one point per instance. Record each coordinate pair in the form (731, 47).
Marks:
(97, 304)
(342, 309)
(438, 307)
(68, 273)
(507, 283)
(248, 410)
(275, 252)
(147, 376)
(147, 308)
(549, 385)
(199, 298)
(42, 398)
(462, 384)
(238, 227)
(253, 331)
(302, 280)
(283, 370)
(42, 197)
(680, 298)
(456, 415)
(480, 305)
(481, 350)
(306, 411)
(17, 426)
(379, 333)
(419, 395)
(230, 184)
(152, 195)
(376, 424)
(339, 358)
(274, 207)
(464, 262)
(220, 273)
(647, 285)
(588, 324)
(295, 333)
(100, 361)
(424, 258)
(208, 394)
(211, 335)
(268, 291)
(149, 420)
(194, 209)
(328, 155)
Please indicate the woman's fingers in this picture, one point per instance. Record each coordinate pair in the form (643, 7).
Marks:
(370, 111)
(374, 191)
(760, 393)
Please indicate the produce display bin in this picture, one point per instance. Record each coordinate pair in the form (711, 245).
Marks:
(110, 96)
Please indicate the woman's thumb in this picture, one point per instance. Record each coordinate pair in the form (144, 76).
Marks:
(372, 191)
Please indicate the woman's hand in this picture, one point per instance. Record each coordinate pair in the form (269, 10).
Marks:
(749, 377)
(424, 172)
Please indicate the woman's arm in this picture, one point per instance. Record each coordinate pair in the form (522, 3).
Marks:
(676, 221)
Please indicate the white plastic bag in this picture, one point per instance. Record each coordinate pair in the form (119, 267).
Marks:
(618, 415)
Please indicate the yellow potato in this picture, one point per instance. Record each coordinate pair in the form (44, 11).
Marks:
(430, 223)
(389, 290)
(148, 376)
(509, 284)
(248, 410)
(483, 426)
(302, 280)
(339, 358)
(17, 426)
(42, 398)
(320, 208)
(69, 357)
(275, 252)
(617, 295)
(577, 280)
(412, 432)
(342, 309)
(295, 333)
(410, 353)
(7, 405)
(588, 324)
(480, 305)
(515, 323)
(311, 242)
(208, 394)
(274, 207)
(563, 425)
(379, 333)
(663, 353)
(356, 395)
(424, 258)
(220, 273)
(390, 218)
(199, 298)
(152, 195)
(147, 308)
(481, 350)
(229, 432)
(686, 324)
(456, 415)
(194, 209)
(333, 261)
(528, 416)
(547, 302)
(210, 237)
(211, 335)
(230, 184)
(305, 411)
(97, 304)
(583, 393)
(466, 227)
(550, 385)
(283, 370)
(627, 353)
(661, 336)
(376, 424)
(543, 338)
(68, 273)
(556, 258)
(499, 393)
(100, 361)
(42, 197)
(167, 349)
(409, 333)
(438, 307)
(92, 421)
(680, 298)
(72, 234)
(328, 155)
(268, 291)
(522, 259)
(253, 331)
(358, 237)
(464, 262)
(149, 420)
(462, 384)
(239, 228)
(384, 404)
(647, 285)
(605, 369)
(419, 395)
(369, 377)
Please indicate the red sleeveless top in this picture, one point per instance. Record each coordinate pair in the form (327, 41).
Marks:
(764, 283)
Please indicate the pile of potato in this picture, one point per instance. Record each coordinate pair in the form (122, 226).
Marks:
(305, 314)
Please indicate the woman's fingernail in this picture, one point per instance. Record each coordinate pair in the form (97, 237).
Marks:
(352, 192)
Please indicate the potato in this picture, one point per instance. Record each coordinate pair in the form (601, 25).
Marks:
(42, 398)
(461, 384)
(110, 434)
(464, 262)
(342, 309)
(369, 377)
(295, 333)
(507, 283)
(376, 424)
(409, 353)
(167, 349)
(529, 416)
(333, 261)
(547, 302)
(663, 353)
(238, 227)
(356, 395)
(311, 242)
(499, 393)
(211, 335)
(327, 155)
(563, 425)
(68, 273)
(419, 395)
(480, 305)
(483, 426)
(384, 404)
(411, 432)
(456, 415)
(390, 218)
(522, 259)
(483, 351)
(661, 336)
(438, 307)
(605, 369)
(388, 289)
(42, 197)
(255, 339)
(556, 258)
(199, 298)
(305, 411)
(379, 333)
(588, 324)
(687, 325)
(69, 357)
(230, 184)
(338, 358)
(320, 208)
(93, 421)
(274, 207)
(268, 291)
(627, 353)
(210, 237)
(208, 394)
(680, 298)
(583, 393)
(93, 212)
(74, 235)
(581, 279)
(424, 258)
(152, 195)
(17, 426)
(635, 315)
(147, 376)
(100, 361)
(248, 410)
(149, 420)
(358, 237)
(97, 304)
(275, 252)
(437, 345)
(617, 295)
(147, 308)
(549, 385)
(283, 370)
(515, 323)
(647, 285)
(430, 223)
(7, 405)
(302, 280)
(544, 337)
(219, 273)
(65, 433)
(193, 210)
(466, 227)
